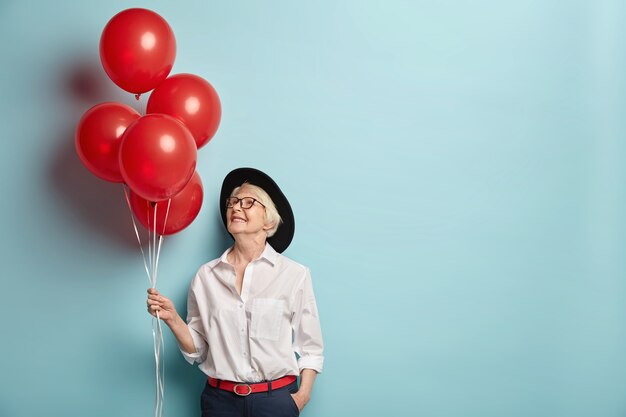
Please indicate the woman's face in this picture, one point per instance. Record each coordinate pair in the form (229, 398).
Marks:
(250, 221)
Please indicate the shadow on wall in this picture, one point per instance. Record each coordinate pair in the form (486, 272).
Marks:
(98, 208)
(85, 82)
(97, 205)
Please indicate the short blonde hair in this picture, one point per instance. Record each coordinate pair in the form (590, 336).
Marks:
(271, 213)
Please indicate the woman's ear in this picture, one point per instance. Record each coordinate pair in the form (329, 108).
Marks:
(268, 226)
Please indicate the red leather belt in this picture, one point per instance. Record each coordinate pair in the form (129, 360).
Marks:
(243, 389)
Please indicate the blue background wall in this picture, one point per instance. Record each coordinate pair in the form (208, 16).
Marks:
(456, 168)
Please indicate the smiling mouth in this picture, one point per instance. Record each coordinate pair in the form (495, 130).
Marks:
(237, 220)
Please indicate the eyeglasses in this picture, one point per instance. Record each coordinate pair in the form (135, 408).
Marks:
(244, 202)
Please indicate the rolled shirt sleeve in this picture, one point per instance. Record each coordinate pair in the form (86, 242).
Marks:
(194, 323)
(308, 343)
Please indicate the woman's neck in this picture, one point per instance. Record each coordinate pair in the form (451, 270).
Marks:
(246, 250)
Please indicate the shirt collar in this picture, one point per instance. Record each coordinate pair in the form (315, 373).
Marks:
(269, 254)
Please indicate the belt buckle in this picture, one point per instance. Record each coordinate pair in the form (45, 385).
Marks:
(242, 385)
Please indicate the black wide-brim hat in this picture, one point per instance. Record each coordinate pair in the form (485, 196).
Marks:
(283, 236)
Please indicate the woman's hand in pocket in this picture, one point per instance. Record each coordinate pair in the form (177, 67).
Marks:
(301, 399)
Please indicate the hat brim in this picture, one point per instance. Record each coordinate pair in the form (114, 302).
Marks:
(283, 236)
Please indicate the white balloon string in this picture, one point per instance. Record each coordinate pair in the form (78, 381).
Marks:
(157, 330)
(149, 241)
(167, 212)
(154, 279)
(157, 333)
(158, 251)
(132, 217)
(159, 362)
(157, 397)
(161, 380)
(159, 349)
(154, 246)
(161, 346)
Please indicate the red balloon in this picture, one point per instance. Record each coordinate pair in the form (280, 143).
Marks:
(98, 136)
(157, 156)
(137, 49)
(184, 208)
(192, 100)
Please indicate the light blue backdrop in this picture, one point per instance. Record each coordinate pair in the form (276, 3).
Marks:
(456, 168)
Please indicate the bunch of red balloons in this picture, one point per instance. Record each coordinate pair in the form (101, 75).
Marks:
(153, 154)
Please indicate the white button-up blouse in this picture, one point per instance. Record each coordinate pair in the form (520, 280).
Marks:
(254, 336)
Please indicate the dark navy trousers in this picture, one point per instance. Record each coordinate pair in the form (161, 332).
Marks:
(217, 402)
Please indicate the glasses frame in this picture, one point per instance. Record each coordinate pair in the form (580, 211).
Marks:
(240, 202)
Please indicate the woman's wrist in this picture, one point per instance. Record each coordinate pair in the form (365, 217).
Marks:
(180, 330)
(175, 321)
(304, 395)
(307, 378)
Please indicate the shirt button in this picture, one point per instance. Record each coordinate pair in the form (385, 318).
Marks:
(241, 330)
(245, 353)
(240, 305)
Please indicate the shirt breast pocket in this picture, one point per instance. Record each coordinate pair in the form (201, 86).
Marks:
(266, 318)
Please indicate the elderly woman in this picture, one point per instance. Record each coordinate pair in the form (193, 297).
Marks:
(252, 322)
